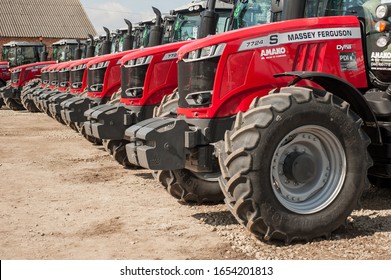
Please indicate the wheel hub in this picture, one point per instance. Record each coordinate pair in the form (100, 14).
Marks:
(299, 167)
(308, 169)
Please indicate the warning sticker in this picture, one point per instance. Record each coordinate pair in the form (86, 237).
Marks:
(348, 61)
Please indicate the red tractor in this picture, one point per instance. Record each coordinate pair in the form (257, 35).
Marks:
(19, 77)
(35, 86)
(121, 40)
(16, 54)
(282, 120)
(104, 80)
(63, 50)
(34, 97)
(5, 75)
(56, 97)
(150, 74)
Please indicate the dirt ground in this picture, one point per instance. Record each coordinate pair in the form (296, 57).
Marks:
(63, 198)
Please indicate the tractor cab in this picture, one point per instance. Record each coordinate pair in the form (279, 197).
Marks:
(20, 53)
(68, 49)
(187, 20)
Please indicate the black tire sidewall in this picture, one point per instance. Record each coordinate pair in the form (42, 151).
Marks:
(274, 214)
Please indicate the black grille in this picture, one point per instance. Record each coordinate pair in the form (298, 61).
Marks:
(132, 81)
(195, 76)
(63, 79)
(15, 77)
(76, 78)
(53, 78)
(45, 77)
(96, 79)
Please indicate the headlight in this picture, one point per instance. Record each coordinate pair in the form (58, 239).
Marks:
(383, 41)
(382, 11)
(139, 61)
(100, 65)
(205, 53)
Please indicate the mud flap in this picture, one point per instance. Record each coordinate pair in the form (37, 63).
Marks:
(157, 144)
(109, 121)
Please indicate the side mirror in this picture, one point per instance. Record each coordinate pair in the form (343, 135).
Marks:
(277, 6)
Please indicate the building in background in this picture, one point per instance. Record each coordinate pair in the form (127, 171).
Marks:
(51, 20)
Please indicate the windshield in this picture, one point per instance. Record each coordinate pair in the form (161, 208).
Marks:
(98, 48)
(316, 8)
(22, 55)
(186, 26)
(64, 52)
(117, 43)
(137, 34)
(145, 35)
(250, 13)
(5, 53)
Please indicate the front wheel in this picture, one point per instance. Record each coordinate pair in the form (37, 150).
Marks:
(183, 184)
(14, 104)
(295, 165)
(188, 186)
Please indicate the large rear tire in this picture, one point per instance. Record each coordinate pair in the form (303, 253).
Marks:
(295, 165)
(28, 88)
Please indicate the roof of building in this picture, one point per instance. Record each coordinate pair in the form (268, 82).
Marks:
(47, 18)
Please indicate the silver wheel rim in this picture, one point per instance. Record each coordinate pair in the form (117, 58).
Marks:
(308, 169)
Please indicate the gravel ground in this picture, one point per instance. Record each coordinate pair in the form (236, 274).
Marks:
(63, 198)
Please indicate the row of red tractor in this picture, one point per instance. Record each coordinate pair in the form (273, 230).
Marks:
(280, 108)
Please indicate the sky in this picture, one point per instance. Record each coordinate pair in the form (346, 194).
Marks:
(111, 13)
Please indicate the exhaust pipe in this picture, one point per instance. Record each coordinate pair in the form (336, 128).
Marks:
(156, 36)
(128, 38)
(91, 47)
(106, 46)
(43, 56)
(78, 51)
(209, 19)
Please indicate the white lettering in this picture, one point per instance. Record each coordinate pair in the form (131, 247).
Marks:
(344, 47)
(273, 52)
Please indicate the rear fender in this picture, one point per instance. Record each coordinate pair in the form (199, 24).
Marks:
(345, 91)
